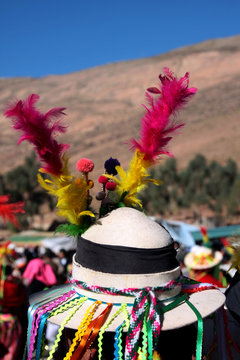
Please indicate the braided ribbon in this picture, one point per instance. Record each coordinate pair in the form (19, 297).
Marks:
(142, 299)
(145, 300)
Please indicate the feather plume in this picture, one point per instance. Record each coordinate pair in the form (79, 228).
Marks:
(234, 247)
(71, 193)
(235, 260)
(8, 210)
(157, 126)
(40, 130)
(130, 183)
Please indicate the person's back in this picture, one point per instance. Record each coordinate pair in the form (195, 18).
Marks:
(38, 275)
(13, 316)
(13, 295)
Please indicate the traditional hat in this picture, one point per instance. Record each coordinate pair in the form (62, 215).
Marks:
(127, 250)
(125, 268)
(201, 257)
(125, 276)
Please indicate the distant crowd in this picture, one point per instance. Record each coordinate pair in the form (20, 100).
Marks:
(28, 271)
(23, 273)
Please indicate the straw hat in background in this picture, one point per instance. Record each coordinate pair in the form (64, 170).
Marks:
(202, 258)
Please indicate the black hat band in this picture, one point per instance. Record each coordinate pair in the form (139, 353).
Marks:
(125, 260)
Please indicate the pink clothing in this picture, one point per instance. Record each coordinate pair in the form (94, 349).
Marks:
(37, 269)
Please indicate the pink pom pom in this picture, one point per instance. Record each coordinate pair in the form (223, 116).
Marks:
(85, 165)
(102, 179)
(111, 186)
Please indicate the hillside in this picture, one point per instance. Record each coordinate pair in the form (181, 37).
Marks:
(104, 105)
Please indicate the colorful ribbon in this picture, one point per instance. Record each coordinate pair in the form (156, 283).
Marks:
(91, 333)
(145, 317)
(146, 301)
(82, 328)
(122, 309)
(40, 312)
(76, 304)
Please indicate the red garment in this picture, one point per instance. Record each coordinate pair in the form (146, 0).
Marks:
(208, 278)
(13, 294)
(11, 309)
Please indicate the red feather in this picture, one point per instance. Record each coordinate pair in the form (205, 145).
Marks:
(39, 130)
(8, 210)
(157, 126)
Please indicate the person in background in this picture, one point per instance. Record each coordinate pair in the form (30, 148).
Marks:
(63, 258)
(38, 275)
(13, 312)
(233, 300)
(55, 262)
(202, 264)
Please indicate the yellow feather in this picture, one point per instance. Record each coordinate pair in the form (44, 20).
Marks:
(235, 260)
(156, 355)
(134, 180)
(71, 193)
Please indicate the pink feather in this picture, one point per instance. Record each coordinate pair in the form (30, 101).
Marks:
(157, 126)
(40, 130)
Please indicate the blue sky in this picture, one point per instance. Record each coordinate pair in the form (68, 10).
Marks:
(41, 37)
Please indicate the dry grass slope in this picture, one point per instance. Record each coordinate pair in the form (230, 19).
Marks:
(104, 105)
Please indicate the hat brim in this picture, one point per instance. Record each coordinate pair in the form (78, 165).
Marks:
(189, 261)
(206, 302)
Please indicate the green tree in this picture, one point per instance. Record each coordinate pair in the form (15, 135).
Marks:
(199, 183)
(22, 185)
(193, 182)
(233, 204)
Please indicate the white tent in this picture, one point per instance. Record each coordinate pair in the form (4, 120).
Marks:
(60, 242)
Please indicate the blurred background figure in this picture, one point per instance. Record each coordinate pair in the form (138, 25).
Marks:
(203, 265)
(54, 261)
(13, 310)
(39, 274)
(63, 258)
(233, 300)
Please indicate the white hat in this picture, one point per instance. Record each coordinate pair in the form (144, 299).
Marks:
(126, 230)
(127, 250)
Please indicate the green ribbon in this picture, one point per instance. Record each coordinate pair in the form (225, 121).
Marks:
(150, 340)
(181, 299)
(199, 332)
(2, 279)
(145, 346)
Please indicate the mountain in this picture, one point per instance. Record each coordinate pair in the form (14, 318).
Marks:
(104, 105)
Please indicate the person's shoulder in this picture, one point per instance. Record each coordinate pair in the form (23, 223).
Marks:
(35, 262)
